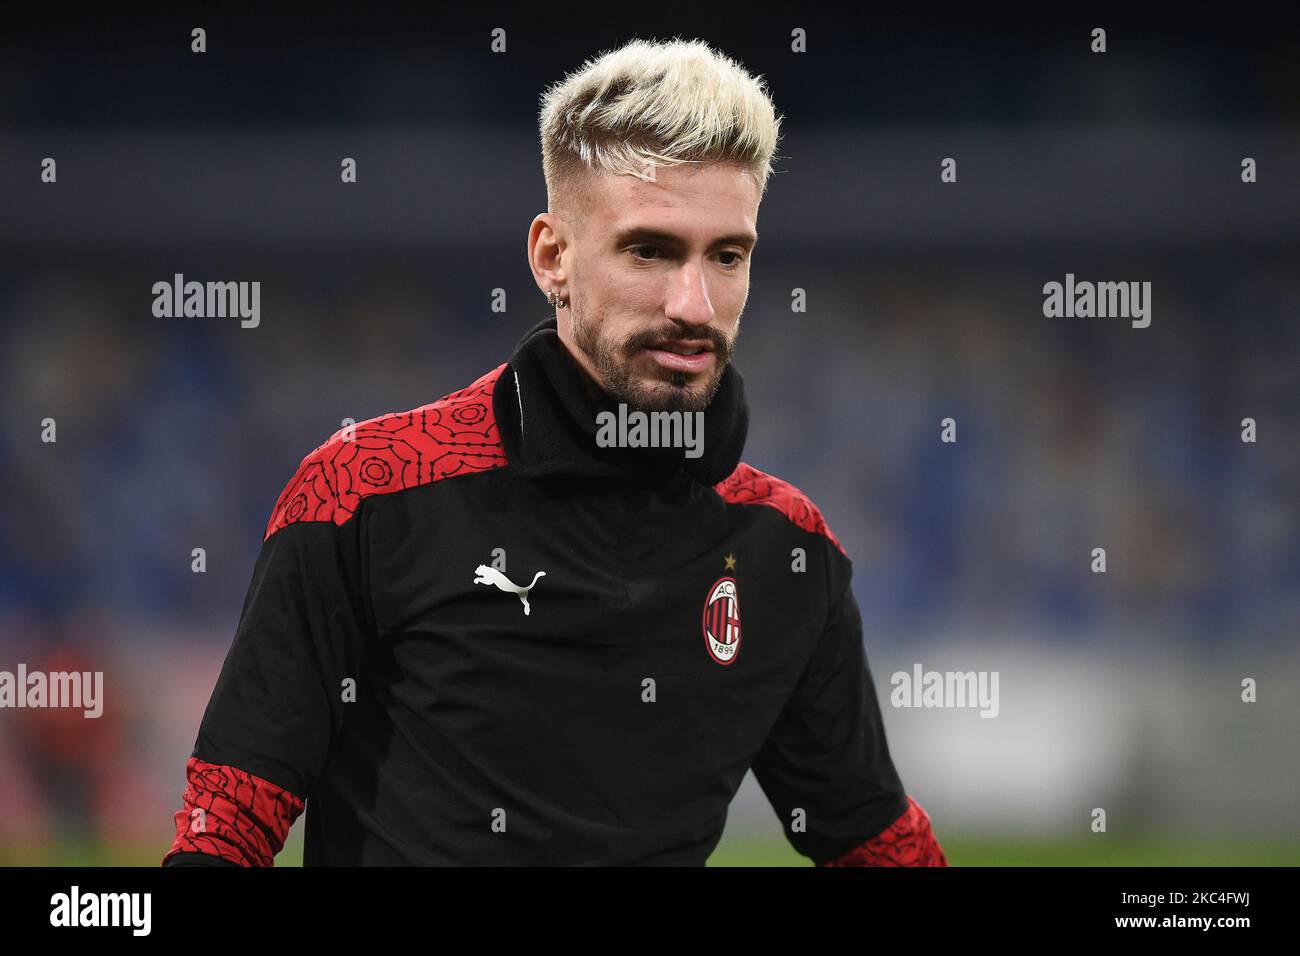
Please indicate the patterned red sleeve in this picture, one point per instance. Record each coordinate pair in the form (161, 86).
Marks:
(233, 815)
(908, 841)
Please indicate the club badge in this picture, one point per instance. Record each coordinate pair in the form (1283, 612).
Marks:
(722, 621)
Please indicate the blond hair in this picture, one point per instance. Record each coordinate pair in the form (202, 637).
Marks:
(651, 104)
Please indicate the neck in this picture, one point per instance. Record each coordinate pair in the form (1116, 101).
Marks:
(590, 384)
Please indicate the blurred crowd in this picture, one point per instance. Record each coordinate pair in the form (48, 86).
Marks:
(1071, 435)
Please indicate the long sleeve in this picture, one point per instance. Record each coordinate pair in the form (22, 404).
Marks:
(280, 698)
(827, 756)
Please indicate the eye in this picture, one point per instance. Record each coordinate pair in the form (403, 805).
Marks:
(737, 261)
(633, 249)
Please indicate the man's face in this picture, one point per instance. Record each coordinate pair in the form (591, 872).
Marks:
(660, 266)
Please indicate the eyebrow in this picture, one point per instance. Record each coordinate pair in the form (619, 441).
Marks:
(746, 240)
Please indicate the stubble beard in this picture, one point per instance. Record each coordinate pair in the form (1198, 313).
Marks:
(671, 391)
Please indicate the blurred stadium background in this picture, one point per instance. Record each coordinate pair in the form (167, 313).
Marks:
(924, 301)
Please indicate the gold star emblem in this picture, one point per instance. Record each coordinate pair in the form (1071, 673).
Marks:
(731, 562)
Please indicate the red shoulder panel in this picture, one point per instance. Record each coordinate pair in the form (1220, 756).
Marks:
(455, 435)
(233, 815)
(908, 841)
(749, 486)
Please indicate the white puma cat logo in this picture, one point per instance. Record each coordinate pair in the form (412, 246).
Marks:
(487, 575)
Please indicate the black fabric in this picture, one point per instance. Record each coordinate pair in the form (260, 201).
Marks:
(469, 711)
(830, 730)
(558, 434)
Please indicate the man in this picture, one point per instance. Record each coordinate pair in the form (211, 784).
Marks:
(480, 633)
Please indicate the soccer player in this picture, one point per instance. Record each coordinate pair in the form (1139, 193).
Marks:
(478, 633)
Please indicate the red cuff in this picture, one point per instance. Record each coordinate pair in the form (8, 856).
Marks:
(908, 841)
(233, 815)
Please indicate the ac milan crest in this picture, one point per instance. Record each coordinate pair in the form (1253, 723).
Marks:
(722, 621)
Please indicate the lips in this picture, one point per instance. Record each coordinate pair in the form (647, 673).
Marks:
(683, 347)
(662, 354)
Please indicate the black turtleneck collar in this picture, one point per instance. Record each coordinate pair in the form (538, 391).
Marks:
(558, 404)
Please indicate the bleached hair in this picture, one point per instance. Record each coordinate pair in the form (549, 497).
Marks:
(651, 104)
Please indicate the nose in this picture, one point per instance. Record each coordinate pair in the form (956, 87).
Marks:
(688, 297)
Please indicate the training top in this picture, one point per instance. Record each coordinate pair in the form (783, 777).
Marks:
(475, 635)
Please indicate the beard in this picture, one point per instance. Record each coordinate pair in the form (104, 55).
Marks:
(666, 390)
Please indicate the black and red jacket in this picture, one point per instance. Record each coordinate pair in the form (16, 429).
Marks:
(694, 620)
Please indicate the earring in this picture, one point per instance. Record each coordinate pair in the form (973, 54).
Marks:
(554, 298)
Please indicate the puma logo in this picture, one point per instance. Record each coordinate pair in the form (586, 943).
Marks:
(487, 575)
